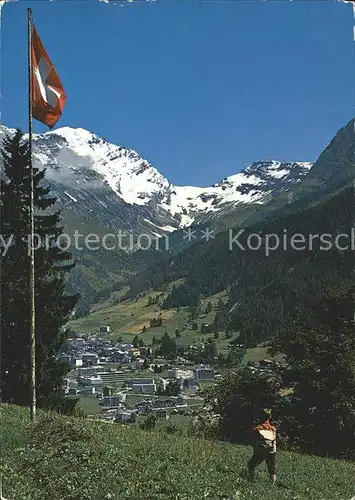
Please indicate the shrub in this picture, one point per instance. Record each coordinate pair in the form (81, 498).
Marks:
(149, 423)
(172, 429)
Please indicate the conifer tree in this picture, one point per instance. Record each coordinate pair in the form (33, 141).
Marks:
(209, 307)
(52, 265)
(319, 345)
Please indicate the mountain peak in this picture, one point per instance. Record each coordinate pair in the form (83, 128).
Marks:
(271, 165)
(71, 132)
(74, 137)
(85, 170)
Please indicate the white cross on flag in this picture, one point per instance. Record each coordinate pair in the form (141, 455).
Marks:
(48, 96)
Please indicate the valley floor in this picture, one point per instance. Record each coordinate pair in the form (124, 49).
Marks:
(61, 458)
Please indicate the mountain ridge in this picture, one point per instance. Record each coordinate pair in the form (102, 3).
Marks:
(88, 174)
(90, 204)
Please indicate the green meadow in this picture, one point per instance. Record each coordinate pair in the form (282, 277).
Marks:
(61, 458)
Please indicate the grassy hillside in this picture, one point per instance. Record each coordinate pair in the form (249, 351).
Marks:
(128, 317)
(70, 459)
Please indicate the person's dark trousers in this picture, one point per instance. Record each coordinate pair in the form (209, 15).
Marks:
(260, 456)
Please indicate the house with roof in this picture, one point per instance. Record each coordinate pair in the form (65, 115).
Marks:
(204, 372)
(125, 416)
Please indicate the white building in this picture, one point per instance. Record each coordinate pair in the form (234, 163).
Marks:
(76, 362)
(124, 416)
(203, 372)
(90, 358)
(112, 401)
(93, 381)
(180, 373)
(144, 388)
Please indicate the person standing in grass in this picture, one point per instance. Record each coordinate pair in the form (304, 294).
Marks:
(264, 446)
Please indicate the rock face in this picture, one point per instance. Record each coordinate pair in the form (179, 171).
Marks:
(122, 190)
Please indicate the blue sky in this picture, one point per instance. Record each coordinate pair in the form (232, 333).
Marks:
(200, 89)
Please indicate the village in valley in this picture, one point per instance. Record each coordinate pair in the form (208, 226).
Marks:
(122, 382)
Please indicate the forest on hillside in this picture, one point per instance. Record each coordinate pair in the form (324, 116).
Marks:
(263, 289)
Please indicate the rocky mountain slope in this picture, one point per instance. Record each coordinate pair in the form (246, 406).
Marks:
(122, 190)
(103, 188)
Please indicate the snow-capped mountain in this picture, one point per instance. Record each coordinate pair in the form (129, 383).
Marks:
(124, 191)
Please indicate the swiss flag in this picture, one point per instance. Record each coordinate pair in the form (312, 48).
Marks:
(48, 96)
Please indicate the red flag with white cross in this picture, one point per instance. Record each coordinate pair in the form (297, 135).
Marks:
(48, 95)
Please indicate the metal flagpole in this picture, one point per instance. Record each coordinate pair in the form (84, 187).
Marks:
(353, 6)
(32, 256)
